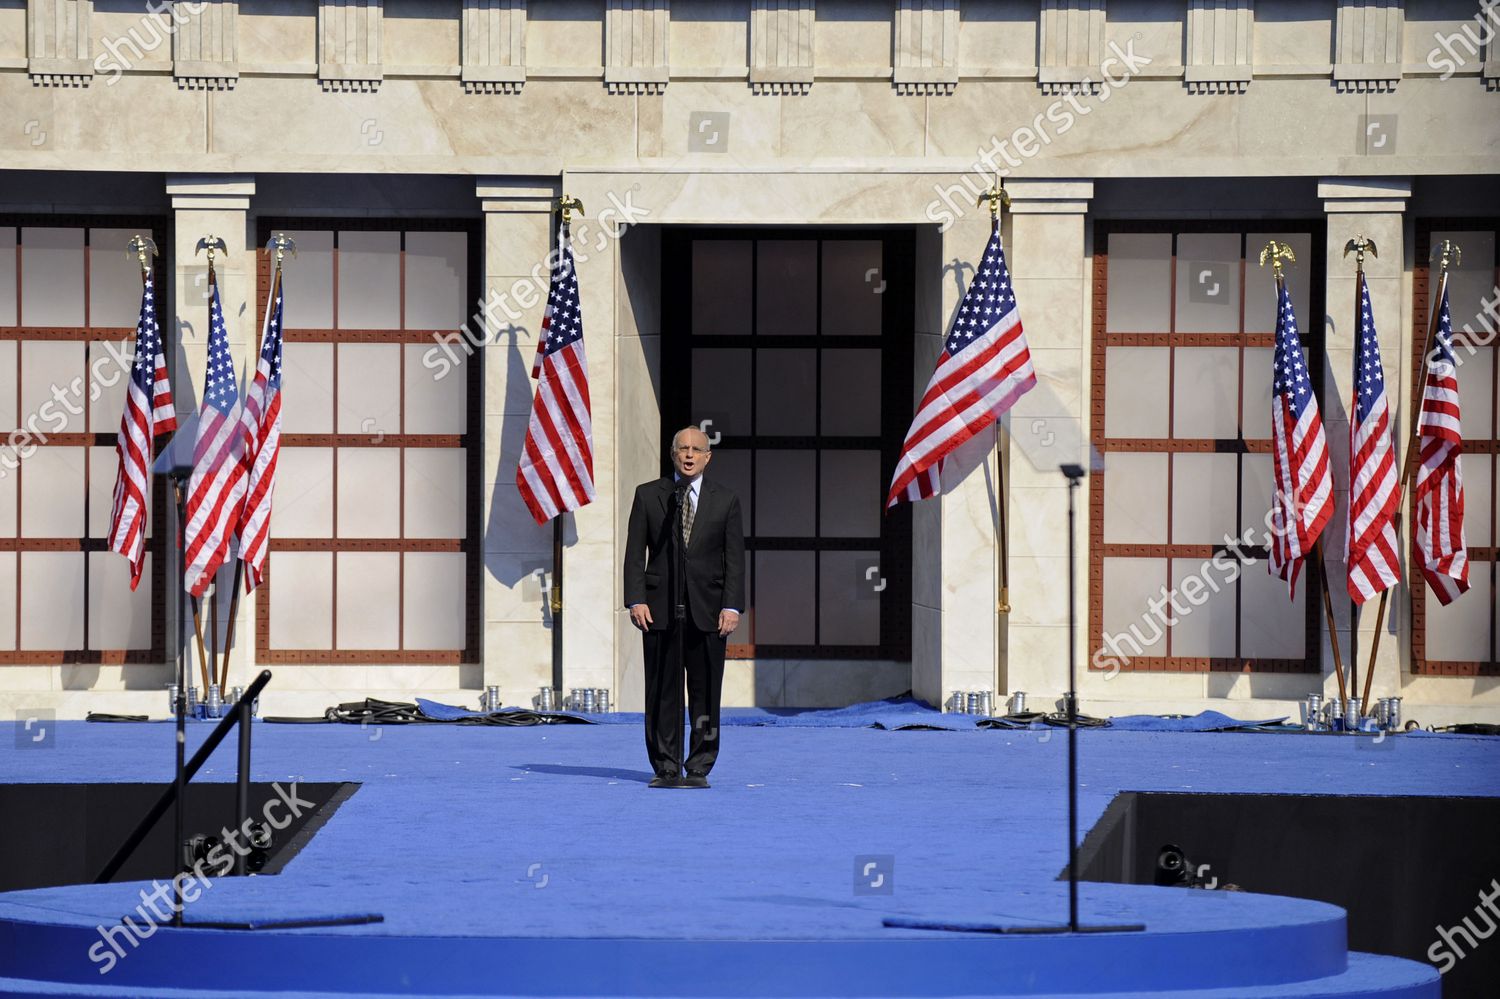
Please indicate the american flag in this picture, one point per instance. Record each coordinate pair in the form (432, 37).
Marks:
(262, 422)
(1303, 503)
(216, 489)
(556, 472)
(1373, 563)
(1440, 482)
(984, 368)
(148, 412)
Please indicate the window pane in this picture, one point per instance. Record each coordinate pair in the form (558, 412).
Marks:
(851, 494)
(369, 280)
(1205, 393)
(1204, 498)
(7, 599)
(1129, 585)
(9, 493)
(109, 381)
(1272, 626)
(51, 600)
(721, 287)
(308, 281)
(1140, 282)
(721, 389)
(786, 287)
(732, 470)
(301, 600)
(52, 277)
(368, 506)
(1135, 499)
(302, 506)
(851, 393)
(1476, 389)
(1256, 401)
(1478, 501)
(8, 275)
(786, 392)
(853, 284)
(1461, 631)
(1256, 484)
(369, 388)
(118, 617)
(1260, 283)
(784, 598)
(368, 601)
(435, 600)
(1207, 627)
(307, 378)
(103, 466)
(436, 487)
(784, 492)
(1135, 403)
(52, 493)
(849, 603)
(46, 365)
(435, 271)
(9, 404)
(1208, 282)
(115, 278)
(435, 405)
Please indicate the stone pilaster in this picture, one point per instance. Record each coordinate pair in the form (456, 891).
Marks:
(205, 46)
(58, 40)
(1048, 255)
(1367, 46)
(1220, 46)
(1070, 46)
(1373, 207)
(636, 57)
(926, 47)
(494, 46)
(781, 46)
(350, 36)
(216, 205)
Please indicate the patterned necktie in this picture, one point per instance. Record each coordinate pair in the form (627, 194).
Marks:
(688, 510)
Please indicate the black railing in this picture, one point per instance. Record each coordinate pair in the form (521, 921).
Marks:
(239, 715)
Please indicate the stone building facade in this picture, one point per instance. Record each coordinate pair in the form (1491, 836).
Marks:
(779, 222)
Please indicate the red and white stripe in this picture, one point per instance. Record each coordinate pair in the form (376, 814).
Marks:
(1373, 560)
(262, 421)
(1439, 491)
(1303, 504)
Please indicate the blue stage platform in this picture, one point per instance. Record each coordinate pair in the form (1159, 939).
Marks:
(534, 861)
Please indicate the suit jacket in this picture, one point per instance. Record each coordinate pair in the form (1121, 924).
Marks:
(715, 553)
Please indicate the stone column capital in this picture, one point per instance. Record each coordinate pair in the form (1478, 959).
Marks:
(1364, 195)
(518, 194)
(211, 192)
(1049, 197)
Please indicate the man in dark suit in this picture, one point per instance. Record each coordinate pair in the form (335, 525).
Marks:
(684, 509)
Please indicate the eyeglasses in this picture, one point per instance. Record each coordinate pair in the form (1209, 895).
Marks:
(690, 449)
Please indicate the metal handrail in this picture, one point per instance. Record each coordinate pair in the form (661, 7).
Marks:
(239, 716)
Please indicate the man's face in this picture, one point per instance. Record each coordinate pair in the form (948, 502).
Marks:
(690, 454)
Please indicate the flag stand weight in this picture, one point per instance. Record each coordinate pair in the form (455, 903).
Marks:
(279, 244)
(1276, 252)
(1448, 249)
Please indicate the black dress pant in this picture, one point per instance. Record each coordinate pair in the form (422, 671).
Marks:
(703, 661)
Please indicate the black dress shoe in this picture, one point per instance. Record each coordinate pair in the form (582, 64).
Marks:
(695, 779)
(666, 780)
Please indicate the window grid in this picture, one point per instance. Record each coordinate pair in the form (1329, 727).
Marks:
(1477, 440)
(895, 345)
(471, 545)
(1172, 551)
(91, 436)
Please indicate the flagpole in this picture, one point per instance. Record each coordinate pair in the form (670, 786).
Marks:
(203, 672)
(1275, 251)
(1447, 249)
(280, 242)
(998, 198)
(566, 207)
